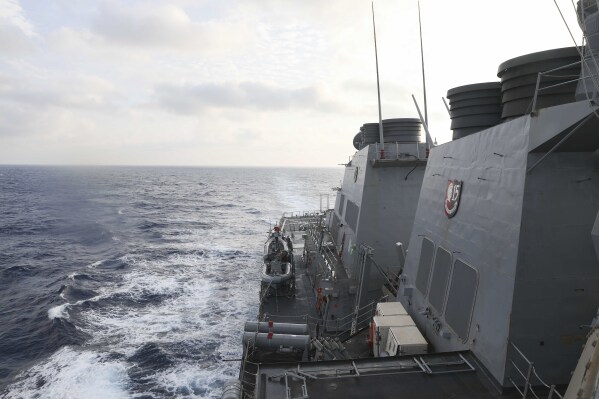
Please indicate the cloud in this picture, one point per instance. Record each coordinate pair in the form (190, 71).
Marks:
(36, 106)
(192, 99)
(168, 27)
(16, 32)
(12, 13)
(83, 92)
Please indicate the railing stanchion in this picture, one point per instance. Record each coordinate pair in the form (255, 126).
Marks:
(534, 99)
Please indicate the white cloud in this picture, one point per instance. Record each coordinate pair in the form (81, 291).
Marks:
(168, 27)
(12, 13)
(193, 99)
(185, 81)
(16, 31)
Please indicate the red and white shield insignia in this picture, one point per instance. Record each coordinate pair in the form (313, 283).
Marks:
(452, 197)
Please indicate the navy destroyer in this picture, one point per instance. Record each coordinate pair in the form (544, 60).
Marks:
(464, 270)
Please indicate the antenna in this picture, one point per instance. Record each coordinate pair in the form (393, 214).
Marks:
(446, 106)
(429, 141)
(422, 59)
(378, 87)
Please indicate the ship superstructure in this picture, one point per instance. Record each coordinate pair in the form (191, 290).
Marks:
(469, 270)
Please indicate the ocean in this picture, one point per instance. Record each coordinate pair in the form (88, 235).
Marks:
(134, 282)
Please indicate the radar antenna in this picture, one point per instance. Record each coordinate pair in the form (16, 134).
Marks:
(422, 60)
(378, 87)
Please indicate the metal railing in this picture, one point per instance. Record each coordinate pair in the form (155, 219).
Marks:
(338, 328)
(397, 151)
(301, 214)
(343, 326)
(577, 78)
(526, 378)
(540, 75)
(330, 258)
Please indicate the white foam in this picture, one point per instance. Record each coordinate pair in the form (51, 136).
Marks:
(59, 312)
(70, 373)
(202, 300)
(96, 264)
(194, 378)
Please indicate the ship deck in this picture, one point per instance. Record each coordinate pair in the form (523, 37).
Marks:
(301, 307)
(356, 372)
(450, 375)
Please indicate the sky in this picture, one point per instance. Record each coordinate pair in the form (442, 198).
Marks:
(241, 82)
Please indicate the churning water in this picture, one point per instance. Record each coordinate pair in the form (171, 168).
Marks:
(131, 282)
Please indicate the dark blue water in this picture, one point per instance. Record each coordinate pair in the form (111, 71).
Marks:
(131, 282)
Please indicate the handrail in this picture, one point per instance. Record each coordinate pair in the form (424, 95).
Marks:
(546, 73)
(530, 378)
(301, 214)
(365, 313)
(392, 151)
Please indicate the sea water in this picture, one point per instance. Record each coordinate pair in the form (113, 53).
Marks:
(135, 282)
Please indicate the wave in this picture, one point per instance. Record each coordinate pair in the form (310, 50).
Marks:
(59, 312)
(144, 316)
(71, 293)
(72, 373)
(148, 225)
(18, 271)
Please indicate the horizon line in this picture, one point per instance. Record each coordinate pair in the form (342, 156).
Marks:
(166, 165)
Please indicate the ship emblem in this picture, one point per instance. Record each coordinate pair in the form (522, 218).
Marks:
(452, 197)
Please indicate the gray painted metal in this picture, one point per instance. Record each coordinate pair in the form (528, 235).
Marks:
(485, 89)
(543, 128)
(365, 262)
(231, 390)
(494, 108)
(278, 328)
(460, 300)
(558, 273)
(483, 231)
(522, 253)
(351, 214)
(484, 120)
(595, 235)
(517, 265)
(358, 141)
(275, 341)
(402, 130)
(519, 76)
(341, 205)
(584, 8)
(401, 254)
(546, 59)
(425, 263)
(430, 376)
(386, 201)
(475, 102)
(588, 86)
(474, 107)
(439, 279)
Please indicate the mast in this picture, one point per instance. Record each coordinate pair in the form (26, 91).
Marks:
(378, 87)
(422, 60)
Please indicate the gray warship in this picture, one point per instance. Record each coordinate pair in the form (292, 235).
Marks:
(465, 270)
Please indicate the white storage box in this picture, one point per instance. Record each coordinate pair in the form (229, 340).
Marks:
(405, 341)
(390, 309)
(381, 325)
